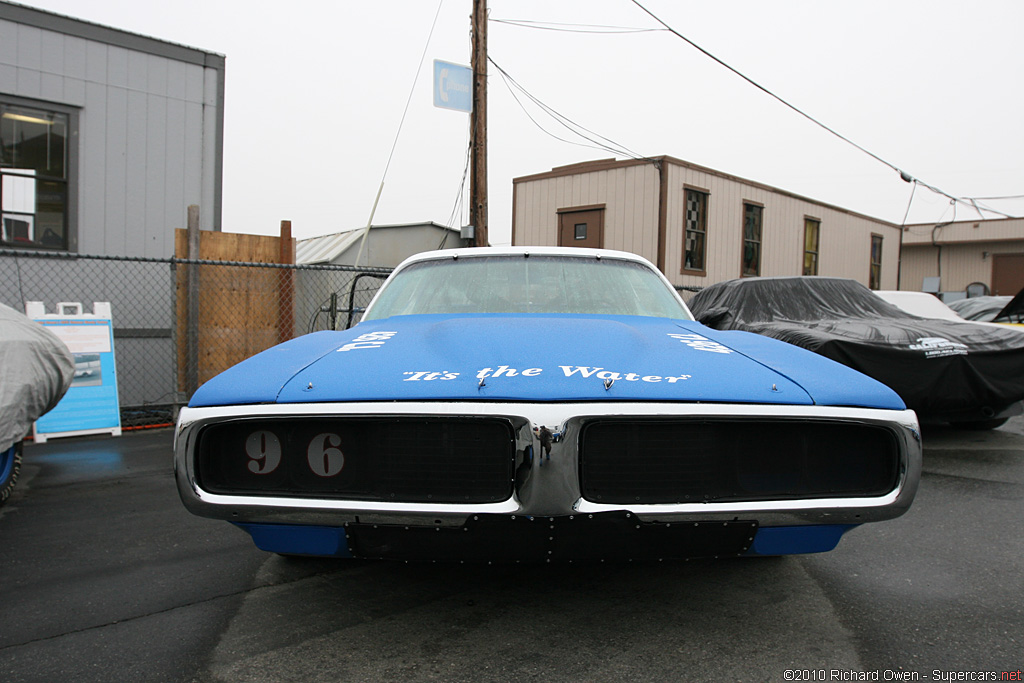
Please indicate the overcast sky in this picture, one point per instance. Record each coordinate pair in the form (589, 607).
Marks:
(315, 91)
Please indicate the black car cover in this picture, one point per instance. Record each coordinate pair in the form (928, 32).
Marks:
(1013, 312)
(942, 369)
(979, 308)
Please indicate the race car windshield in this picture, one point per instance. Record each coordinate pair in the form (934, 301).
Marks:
(534, 284)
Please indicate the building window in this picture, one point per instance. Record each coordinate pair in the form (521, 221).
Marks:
(752, 215)
(875, 278)
(580, 231)
(695, 230)
(812, 227)
(33, 177)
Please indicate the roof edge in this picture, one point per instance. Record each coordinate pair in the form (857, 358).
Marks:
(611, 164)
(80, 28)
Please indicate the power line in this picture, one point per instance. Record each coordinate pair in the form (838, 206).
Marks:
(608, 145)
(459, 197)
(412, 89)
(903, 174)
(398, 133)
(574, 28)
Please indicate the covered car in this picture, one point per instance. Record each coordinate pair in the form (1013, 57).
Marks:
(921, 304)
(1004, 310)
(925, 305)
(36, 369)
(980, 308)
(1013, 312)
(542, 404)
(944, 370)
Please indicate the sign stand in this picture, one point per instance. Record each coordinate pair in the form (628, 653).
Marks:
(91, 404)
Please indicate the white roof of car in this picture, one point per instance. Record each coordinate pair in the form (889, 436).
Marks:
(927, 305)
(573, 252)
(920, 303)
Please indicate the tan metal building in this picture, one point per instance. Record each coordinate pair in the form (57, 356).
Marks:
(698, 225)
(963, 253)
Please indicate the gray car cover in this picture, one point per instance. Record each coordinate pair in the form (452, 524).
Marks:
(36, 369)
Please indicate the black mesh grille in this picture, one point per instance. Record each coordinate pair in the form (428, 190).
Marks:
(402, 459)
(690, 461)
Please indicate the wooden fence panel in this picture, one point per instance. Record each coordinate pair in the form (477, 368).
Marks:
(242, 309)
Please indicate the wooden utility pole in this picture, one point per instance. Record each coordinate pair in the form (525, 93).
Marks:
(478, 125)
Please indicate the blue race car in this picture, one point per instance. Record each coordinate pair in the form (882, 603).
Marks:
(542, 404)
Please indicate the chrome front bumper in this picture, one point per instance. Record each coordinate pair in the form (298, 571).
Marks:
(554, 488)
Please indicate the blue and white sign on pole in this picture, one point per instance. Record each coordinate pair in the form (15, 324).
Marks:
(453, 86)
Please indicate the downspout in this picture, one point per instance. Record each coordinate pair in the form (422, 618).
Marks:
(662, 213)
(899, 260)
(938, 253)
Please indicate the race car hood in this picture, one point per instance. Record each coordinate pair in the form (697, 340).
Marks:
(540, 358)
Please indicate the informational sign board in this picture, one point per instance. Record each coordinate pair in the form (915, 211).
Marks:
(91, 405)
(453, 86)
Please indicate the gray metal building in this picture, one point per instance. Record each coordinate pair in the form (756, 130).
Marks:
(107, 136)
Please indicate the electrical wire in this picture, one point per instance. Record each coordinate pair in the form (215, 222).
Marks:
(573, 28)
(903, 174)
(398, 133)
(608, 145)
(913, 189)
(541, 127)
(412, 89)
(459, 198)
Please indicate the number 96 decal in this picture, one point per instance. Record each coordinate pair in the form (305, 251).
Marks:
(323, 454)
(324, 457)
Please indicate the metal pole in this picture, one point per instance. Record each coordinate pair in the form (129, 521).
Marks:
(478, 125)
(286, 285)
(192, 327)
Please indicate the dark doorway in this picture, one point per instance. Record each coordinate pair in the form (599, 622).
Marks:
(1007, 274)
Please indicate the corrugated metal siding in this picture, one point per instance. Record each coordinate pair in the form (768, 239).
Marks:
(966, 231)
(962, 264)
(630, 196)
(143, 122)
(966, 251)
(845, 239)
(324, 248)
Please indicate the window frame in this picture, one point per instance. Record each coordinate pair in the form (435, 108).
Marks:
(701, 229)
(747, 205)
(816, 253)
(70, 181)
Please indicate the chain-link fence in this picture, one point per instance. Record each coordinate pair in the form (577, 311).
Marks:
(178, 322)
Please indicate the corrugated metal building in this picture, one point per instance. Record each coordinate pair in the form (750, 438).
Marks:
(962, 253)
(108, 136)
(386, 245)
(701, 226)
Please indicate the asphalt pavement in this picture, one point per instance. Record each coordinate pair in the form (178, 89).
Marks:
(105, 577)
